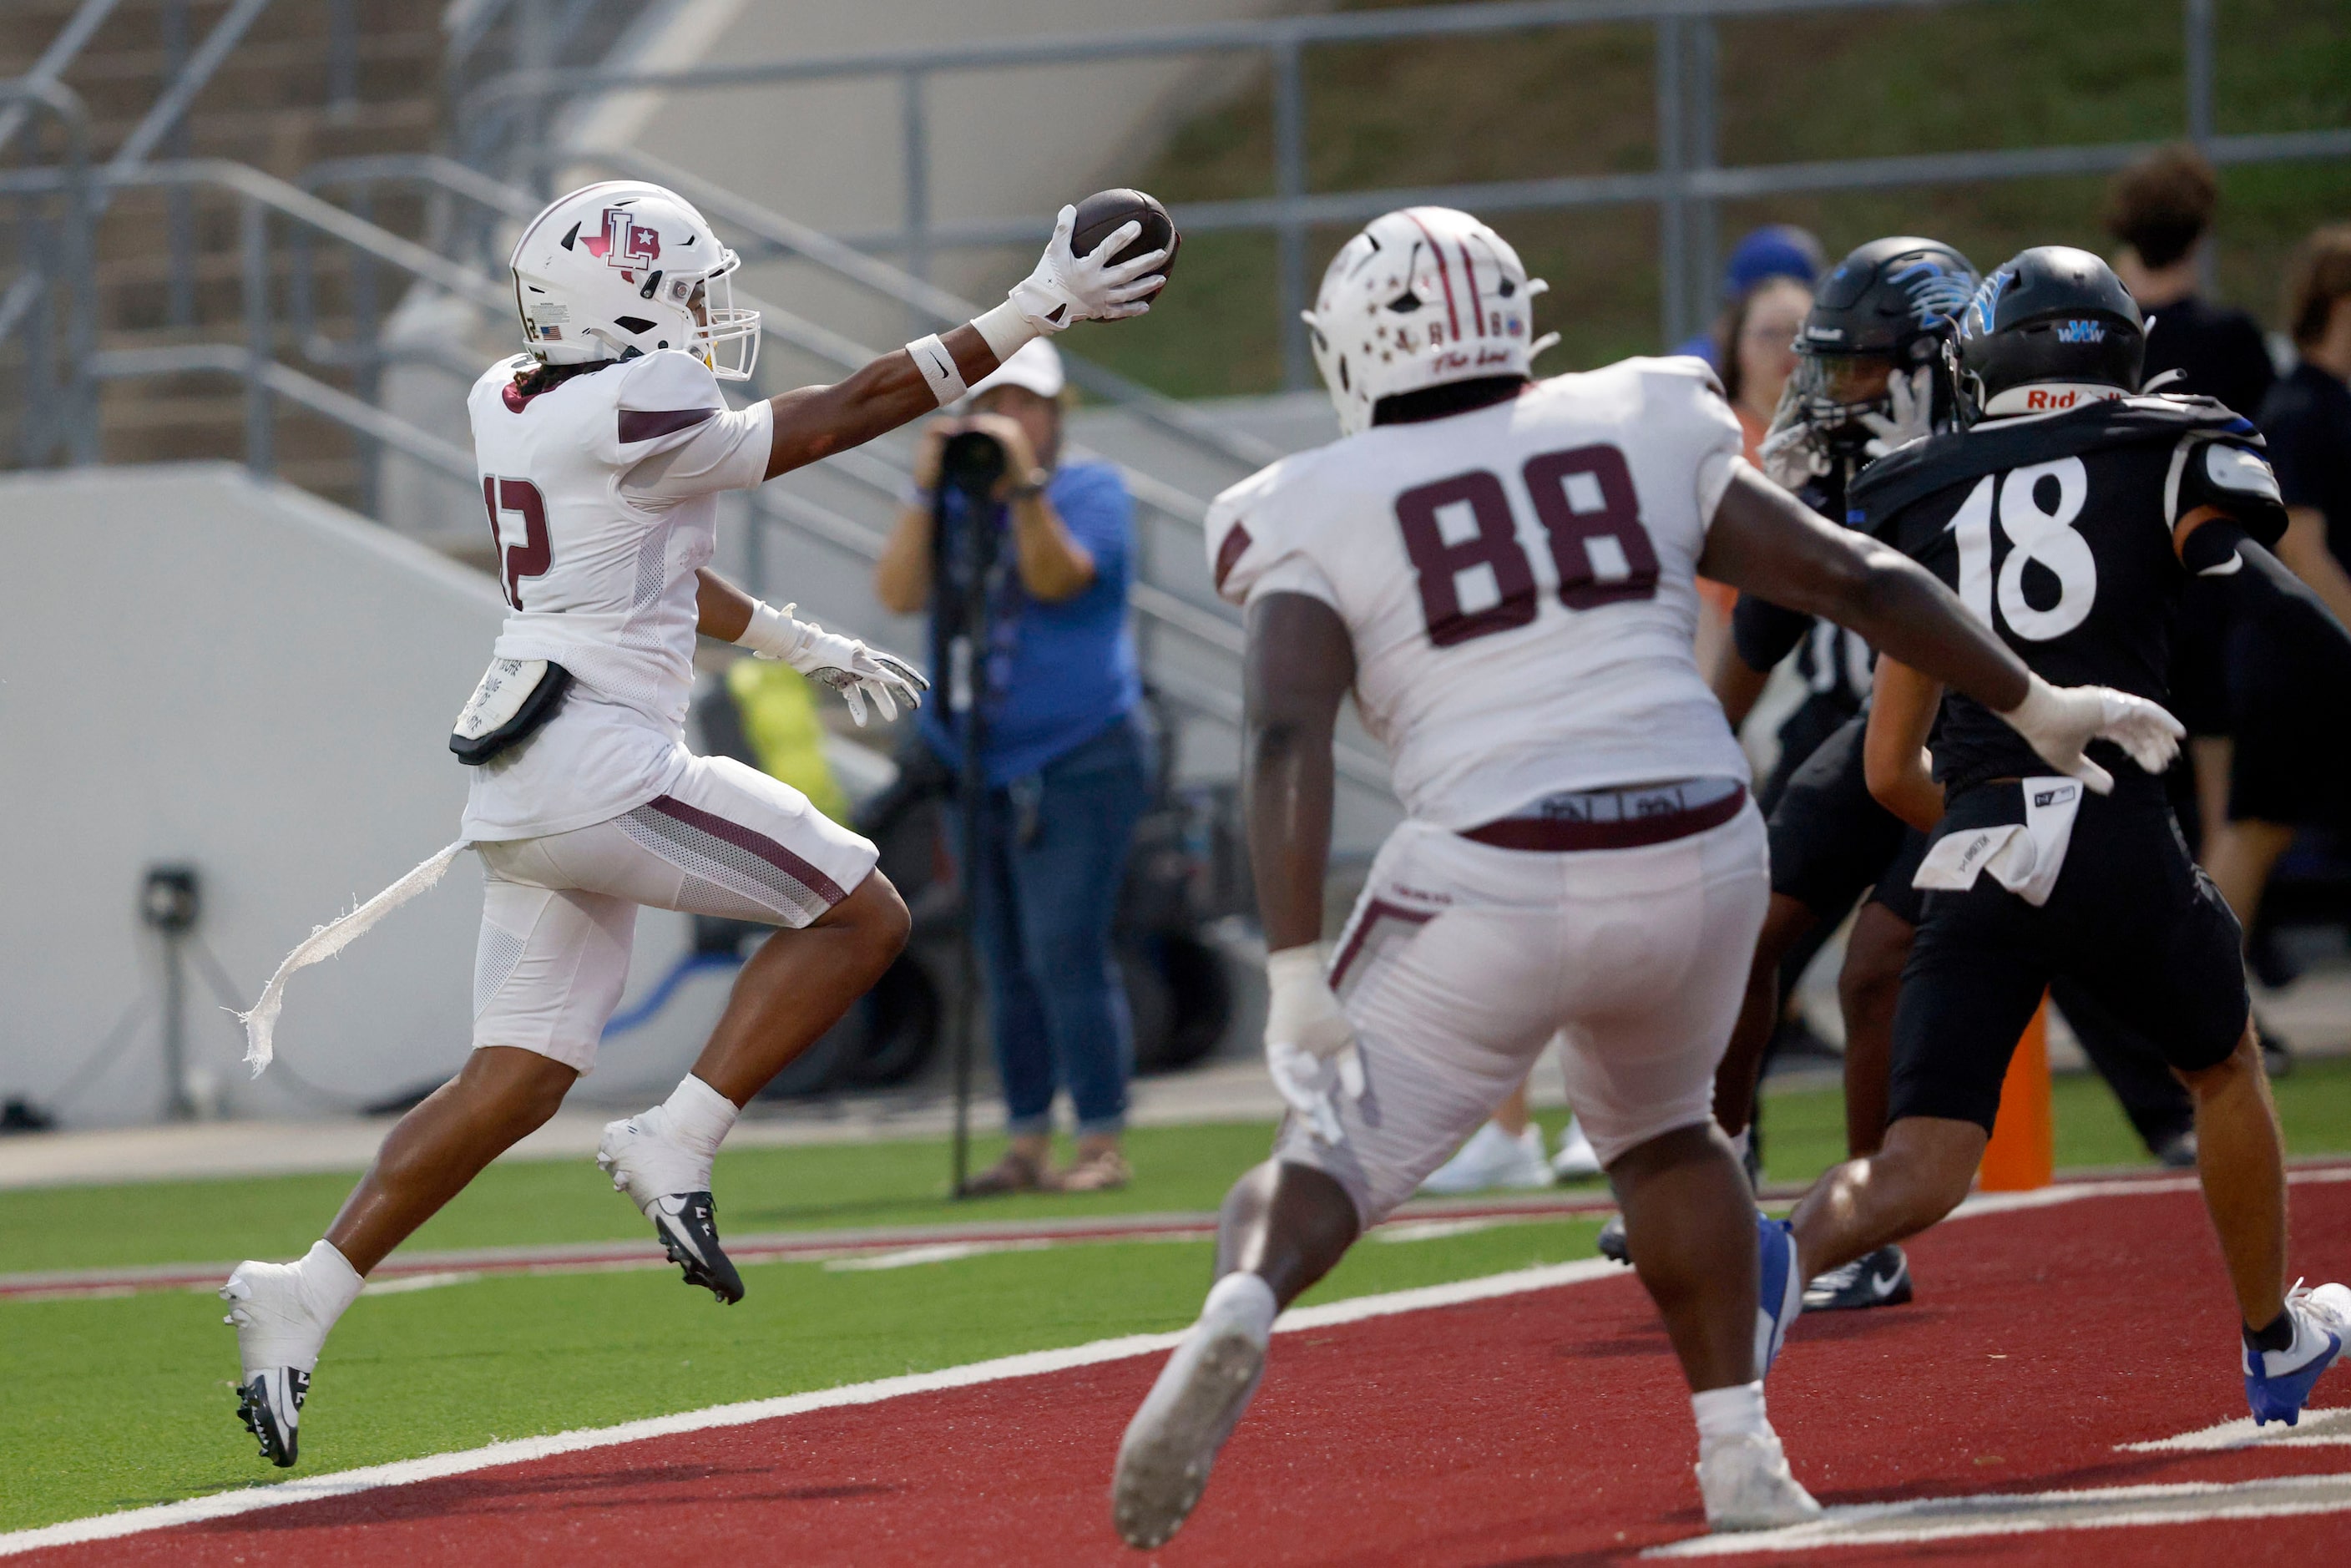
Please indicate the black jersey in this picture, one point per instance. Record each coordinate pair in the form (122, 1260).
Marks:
(1832, 662)
(2056, 531)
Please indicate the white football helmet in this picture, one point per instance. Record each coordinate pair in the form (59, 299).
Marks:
(1422, 297)
(622, 268)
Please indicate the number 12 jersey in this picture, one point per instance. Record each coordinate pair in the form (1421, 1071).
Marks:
(1518, 581)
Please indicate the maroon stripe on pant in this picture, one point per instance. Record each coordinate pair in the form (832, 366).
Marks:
(1374, 912)
(760, 844)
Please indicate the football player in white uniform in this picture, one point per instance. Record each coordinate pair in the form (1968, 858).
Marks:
(1501, 569)
(601, 451)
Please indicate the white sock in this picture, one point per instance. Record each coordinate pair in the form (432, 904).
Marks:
(1733, 1412)
(697, 1117)
(329, 1284)
(1246, 1298)
(1739, 1140)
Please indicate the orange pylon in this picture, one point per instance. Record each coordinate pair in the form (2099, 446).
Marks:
(2022, 1153)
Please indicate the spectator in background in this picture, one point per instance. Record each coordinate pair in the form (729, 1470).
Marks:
(1766, 269)
(1066, 763)
(2286, 768)
(2161, 208)
(1775, 250)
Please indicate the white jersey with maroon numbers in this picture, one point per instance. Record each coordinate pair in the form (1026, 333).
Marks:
(601, 496)
(1518, 582)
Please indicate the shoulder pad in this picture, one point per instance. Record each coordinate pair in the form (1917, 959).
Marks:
(1248, 527)
(663, 394)
(1678, 367)
(2230, 476)
(1990, 446)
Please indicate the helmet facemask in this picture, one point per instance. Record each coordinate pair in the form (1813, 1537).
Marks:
(1837, 389)
(724, 337)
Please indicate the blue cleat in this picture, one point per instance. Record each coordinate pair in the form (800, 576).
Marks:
(2278, 1382)
(1782, 1293)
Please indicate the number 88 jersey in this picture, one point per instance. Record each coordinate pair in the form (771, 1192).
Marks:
(2056, 531)
(1518, 581)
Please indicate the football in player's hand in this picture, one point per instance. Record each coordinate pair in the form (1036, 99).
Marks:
(1099, 215)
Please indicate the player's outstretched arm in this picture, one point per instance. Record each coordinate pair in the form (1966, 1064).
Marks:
(1766, 542)
(1769, 544)
(1298, 666)
(812, 422)
(1902, 707)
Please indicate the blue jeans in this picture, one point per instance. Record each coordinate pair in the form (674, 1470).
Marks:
(1052, 858)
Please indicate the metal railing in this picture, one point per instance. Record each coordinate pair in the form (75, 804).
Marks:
(80, 193)
(1687, 185)
(1158, 611)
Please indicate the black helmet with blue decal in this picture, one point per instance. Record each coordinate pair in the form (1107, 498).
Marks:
(2050, 314)
(1890, 305)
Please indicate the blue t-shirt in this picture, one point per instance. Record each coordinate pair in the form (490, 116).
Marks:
(1058, 674)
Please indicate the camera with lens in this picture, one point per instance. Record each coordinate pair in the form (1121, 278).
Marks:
(972, 461)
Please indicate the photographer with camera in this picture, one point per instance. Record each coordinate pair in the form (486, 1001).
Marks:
(1054, 687)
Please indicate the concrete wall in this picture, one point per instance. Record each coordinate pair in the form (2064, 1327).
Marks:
(198, 668)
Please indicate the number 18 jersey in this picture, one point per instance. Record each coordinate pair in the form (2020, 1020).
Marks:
(2055, 531)
(1518, 581)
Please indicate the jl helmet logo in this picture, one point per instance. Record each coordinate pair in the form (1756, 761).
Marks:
(623, 244)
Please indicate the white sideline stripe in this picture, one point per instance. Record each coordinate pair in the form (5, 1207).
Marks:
(2029, 1513)
(436, 1467)
(938, 1252)
(1985, 1203)
(2319, 1428)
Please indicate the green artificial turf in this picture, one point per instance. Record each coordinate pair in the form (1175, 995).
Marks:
(430, 1371)
(899, 1182)
(426, 1371)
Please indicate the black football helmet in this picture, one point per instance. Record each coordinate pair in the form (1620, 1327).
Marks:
(1891, 305)
(2050, 314)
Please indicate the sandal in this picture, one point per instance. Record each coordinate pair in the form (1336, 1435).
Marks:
(1104, 1170)
(1015, 1172)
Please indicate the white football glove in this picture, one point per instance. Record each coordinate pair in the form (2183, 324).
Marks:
(2058, 722)
(1790, 449)
(1310, 1046)
(844, 664)
(1912, 393)
(1068, 287)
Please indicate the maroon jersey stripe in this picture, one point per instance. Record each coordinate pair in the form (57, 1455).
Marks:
(644, 424)
(1229, 553)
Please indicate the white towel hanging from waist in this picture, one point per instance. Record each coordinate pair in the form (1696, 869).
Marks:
(2022, 857)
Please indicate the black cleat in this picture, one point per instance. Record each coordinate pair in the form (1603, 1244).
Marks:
(687, 1224)
(1879, 1279)
(271, 1407)
(1613, 1244)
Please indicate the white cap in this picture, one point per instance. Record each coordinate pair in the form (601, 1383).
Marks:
(1035, 366)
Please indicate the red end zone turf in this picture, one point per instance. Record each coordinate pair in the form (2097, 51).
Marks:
(1548, 1427)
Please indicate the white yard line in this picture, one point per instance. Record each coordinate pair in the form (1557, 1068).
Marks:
(2026, 1513)
(2317, 1429)
(407, 1472)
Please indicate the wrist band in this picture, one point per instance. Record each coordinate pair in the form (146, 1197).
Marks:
(1005, 328)
(772, 631)
(938, 368)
